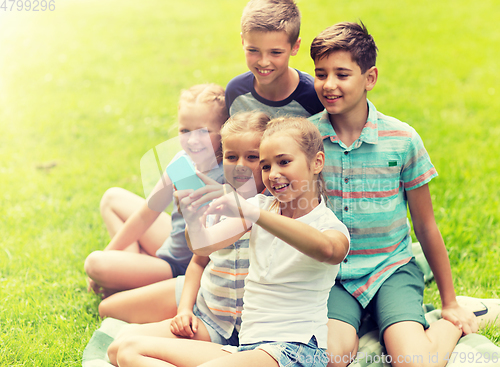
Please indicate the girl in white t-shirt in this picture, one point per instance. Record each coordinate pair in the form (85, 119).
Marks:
(296, 244)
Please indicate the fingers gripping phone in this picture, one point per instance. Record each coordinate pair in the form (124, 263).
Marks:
(183, 174)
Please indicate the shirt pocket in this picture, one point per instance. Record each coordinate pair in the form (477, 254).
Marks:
(381, 180)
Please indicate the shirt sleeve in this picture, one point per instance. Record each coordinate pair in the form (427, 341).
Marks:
(417, 168)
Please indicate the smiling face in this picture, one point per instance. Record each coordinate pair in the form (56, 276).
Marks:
(267, 55)
(288, 174)
(341, 87)
(241, 163)
(199, 133)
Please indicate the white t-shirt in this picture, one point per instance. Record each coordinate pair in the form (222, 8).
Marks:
(286, 292)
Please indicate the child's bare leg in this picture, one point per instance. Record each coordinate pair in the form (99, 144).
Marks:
(157, 329)
(410, 345)
(117, 205)
(121, 270)
(151, 303)
(153, 351)
(342, 343)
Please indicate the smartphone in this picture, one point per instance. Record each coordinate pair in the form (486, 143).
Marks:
(183, 175)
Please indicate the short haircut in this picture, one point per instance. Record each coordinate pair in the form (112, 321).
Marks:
(272, 16)
(351, 37)
(206, 93)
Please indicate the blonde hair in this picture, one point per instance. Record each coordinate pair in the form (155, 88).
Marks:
(209, 94)
(307, 136)
(244, 122)
(272, 16)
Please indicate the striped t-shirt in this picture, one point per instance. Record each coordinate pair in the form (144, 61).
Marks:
(366, 185)
(220, 298)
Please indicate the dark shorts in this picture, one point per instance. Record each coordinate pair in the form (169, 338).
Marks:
(399, 299)
(177, 269)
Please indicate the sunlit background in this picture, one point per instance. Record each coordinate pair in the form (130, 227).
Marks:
(88, 88)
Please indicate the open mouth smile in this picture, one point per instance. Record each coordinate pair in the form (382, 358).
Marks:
(332, 98)
(280, 187)
(264, 72)
(194, 151)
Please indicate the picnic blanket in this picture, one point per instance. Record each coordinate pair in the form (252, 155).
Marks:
(473, 350)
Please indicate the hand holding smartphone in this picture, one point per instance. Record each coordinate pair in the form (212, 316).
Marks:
(183, 174)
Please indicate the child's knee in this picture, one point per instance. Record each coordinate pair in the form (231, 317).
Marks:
(94, 265)
(343, 343)
(113, 350)
(104, 309)
(109, 196)
(126, 351)
(341, 353)
(114, 347)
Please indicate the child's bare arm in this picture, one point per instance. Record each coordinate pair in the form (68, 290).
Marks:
(133, 228)
(140, 221)
(429, 236)
(185, 323)
(330, 246)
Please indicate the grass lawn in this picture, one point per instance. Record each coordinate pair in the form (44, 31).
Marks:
(87, 89)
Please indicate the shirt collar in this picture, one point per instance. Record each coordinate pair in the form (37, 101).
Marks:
(368, 135)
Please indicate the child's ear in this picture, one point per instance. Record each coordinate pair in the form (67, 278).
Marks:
(371, 78)
(296, 46)
(319, 162)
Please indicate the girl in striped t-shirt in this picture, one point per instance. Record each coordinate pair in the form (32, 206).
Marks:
(212, 290)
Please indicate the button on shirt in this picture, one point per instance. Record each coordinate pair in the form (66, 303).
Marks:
(366, 186)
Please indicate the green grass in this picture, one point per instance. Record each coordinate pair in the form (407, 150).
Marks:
(93, 85)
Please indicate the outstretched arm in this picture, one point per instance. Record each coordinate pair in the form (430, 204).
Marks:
(140, 221)
(429, 236)
(330, 246)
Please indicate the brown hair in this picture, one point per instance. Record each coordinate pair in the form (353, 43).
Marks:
(307, 136)
(272, 16)
(244, 122)
(347, 36)
(209, 94)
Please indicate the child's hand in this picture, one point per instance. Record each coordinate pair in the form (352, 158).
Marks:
(233, 205)
(92, 286)
(190, 212)
(184, 324)
(461, 317)
(212, 190)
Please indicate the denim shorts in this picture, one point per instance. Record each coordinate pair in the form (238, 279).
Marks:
(289, 354)
(215, 337)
